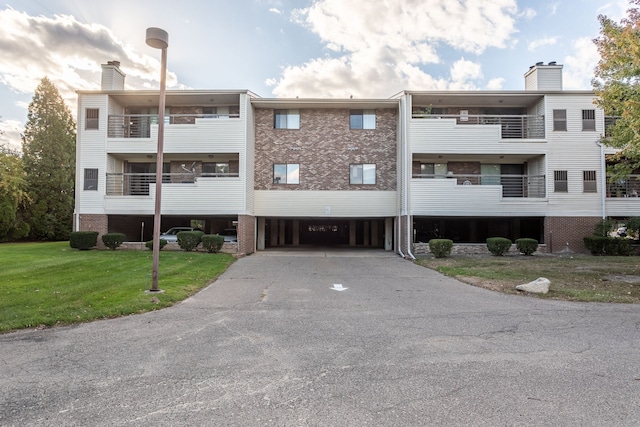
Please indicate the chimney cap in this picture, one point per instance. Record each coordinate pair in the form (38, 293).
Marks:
(540, 63)
(114, 63)
(553, 63)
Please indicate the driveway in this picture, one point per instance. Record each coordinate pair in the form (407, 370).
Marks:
(271, 344)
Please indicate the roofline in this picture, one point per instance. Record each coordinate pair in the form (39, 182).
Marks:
(168, 92)
(324, 102)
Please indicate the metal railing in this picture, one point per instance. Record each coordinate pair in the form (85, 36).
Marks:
(527, 186)
(512, 126)
(137, 184)
(139, 125)
(628, 187)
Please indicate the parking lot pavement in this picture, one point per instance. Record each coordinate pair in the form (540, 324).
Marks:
(273, 342)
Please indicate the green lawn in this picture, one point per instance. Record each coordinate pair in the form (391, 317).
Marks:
(45, 284)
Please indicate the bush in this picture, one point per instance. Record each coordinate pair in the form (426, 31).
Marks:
(83, 240)
(113, 240)
(212, 242)
(527, 246)
(189, 240)
(149, 244)
(600, 245)
(440, 248)
(498, 245)
(604, 227)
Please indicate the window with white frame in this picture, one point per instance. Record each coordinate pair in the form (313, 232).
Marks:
(286, 119)
(588, 120)
(91, 118)
(91, 179)
(286, 173)
(589, 183)
(560, 182)
(560, 120)
(362, 173)
(362, 119)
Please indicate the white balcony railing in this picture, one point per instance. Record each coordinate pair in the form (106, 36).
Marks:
(139, 125)
(529, 186)
(137, 184)
(511, 126)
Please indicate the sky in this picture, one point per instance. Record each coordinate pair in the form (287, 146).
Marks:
(293, 48)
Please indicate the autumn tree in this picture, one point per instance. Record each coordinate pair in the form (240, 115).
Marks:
(12, 195)
(48, 147)
(617, 85)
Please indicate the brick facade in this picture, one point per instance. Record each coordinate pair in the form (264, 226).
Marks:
(324, 147)
(94, 222)
(567, 233)
(246, 234)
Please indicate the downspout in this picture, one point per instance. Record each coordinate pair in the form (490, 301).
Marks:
(407, 169)
(400, 163)
(603, 179)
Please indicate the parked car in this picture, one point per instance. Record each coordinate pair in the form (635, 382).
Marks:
(171, 235)
(230, 235)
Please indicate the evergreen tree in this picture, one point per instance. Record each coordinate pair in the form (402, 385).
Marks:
(12, 195)
(617, 84)
(48, 147)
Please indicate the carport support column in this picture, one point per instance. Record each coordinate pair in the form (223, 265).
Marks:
(260, 244)
(388, 234)
(296, 232)
(352, 232)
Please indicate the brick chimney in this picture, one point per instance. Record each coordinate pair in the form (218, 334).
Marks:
(112, 76)
(544, 77)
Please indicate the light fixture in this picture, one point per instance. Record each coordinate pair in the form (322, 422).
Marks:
(158, 39)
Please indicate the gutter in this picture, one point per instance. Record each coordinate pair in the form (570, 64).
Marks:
(603, 179)
(406, 169)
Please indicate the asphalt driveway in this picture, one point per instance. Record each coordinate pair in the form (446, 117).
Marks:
(271, 344)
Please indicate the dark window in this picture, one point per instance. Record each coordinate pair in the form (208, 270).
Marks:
(362, 119)
(560, 181)
(588, 120)
(287, 119)
(91, 179)
(589, 182)
(92, 116)
(560, 120)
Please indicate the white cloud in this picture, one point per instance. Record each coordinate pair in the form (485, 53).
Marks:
(374, 52)
(546, 41)
(10, 134)
(275, 10)
(496, 83)
(578, 68)
(529, 14)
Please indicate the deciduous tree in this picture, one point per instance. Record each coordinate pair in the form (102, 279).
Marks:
(617, 84)
(12, 195)
(48, 148)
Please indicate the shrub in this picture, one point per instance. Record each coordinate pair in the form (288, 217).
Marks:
(527, 246)
(498, 245)
(113, 240)
(633, 224)
(212, 242)
(604, 227)
(149, 244)
(83, 240)
(600, 245)
(440, 248)
(189, 240)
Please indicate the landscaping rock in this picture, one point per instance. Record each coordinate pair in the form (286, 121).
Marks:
(538, 286)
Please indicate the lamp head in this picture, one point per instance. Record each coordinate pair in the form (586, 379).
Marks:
(157, 38)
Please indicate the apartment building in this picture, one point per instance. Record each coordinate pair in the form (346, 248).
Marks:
(366, 173)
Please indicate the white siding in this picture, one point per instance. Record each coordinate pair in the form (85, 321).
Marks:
(249, 153)
(444, 197)
(208, 196)
(319, 204)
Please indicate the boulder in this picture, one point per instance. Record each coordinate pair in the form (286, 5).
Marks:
(538, 286)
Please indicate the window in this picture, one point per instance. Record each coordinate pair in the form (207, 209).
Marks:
(431, 170)
(588, 120)
(560, 181)
(362, 119)
(560, 120)
(215, 168)
(286, 173)
(362, 174)
(287, 119)
(209, 112)
(91, 179)
(589, 184)
(91, 116)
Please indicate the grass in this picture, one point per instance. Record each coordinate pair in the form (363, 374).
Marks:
(46, 284)
(574, 278)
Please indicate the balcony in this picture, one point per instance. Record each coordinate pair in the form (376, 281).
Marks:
(624, 188)
(137, 184)
(511, 126)
(517, 186)
(139, 125)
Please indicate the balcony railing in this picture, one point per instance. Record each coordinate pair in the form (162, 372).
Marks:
(529, 186)
(512, 126)
(139, 125)
(629, 187)
(137, 184)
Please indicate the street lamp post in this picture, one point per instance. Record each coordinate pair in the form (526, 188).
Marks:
(159, 39)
